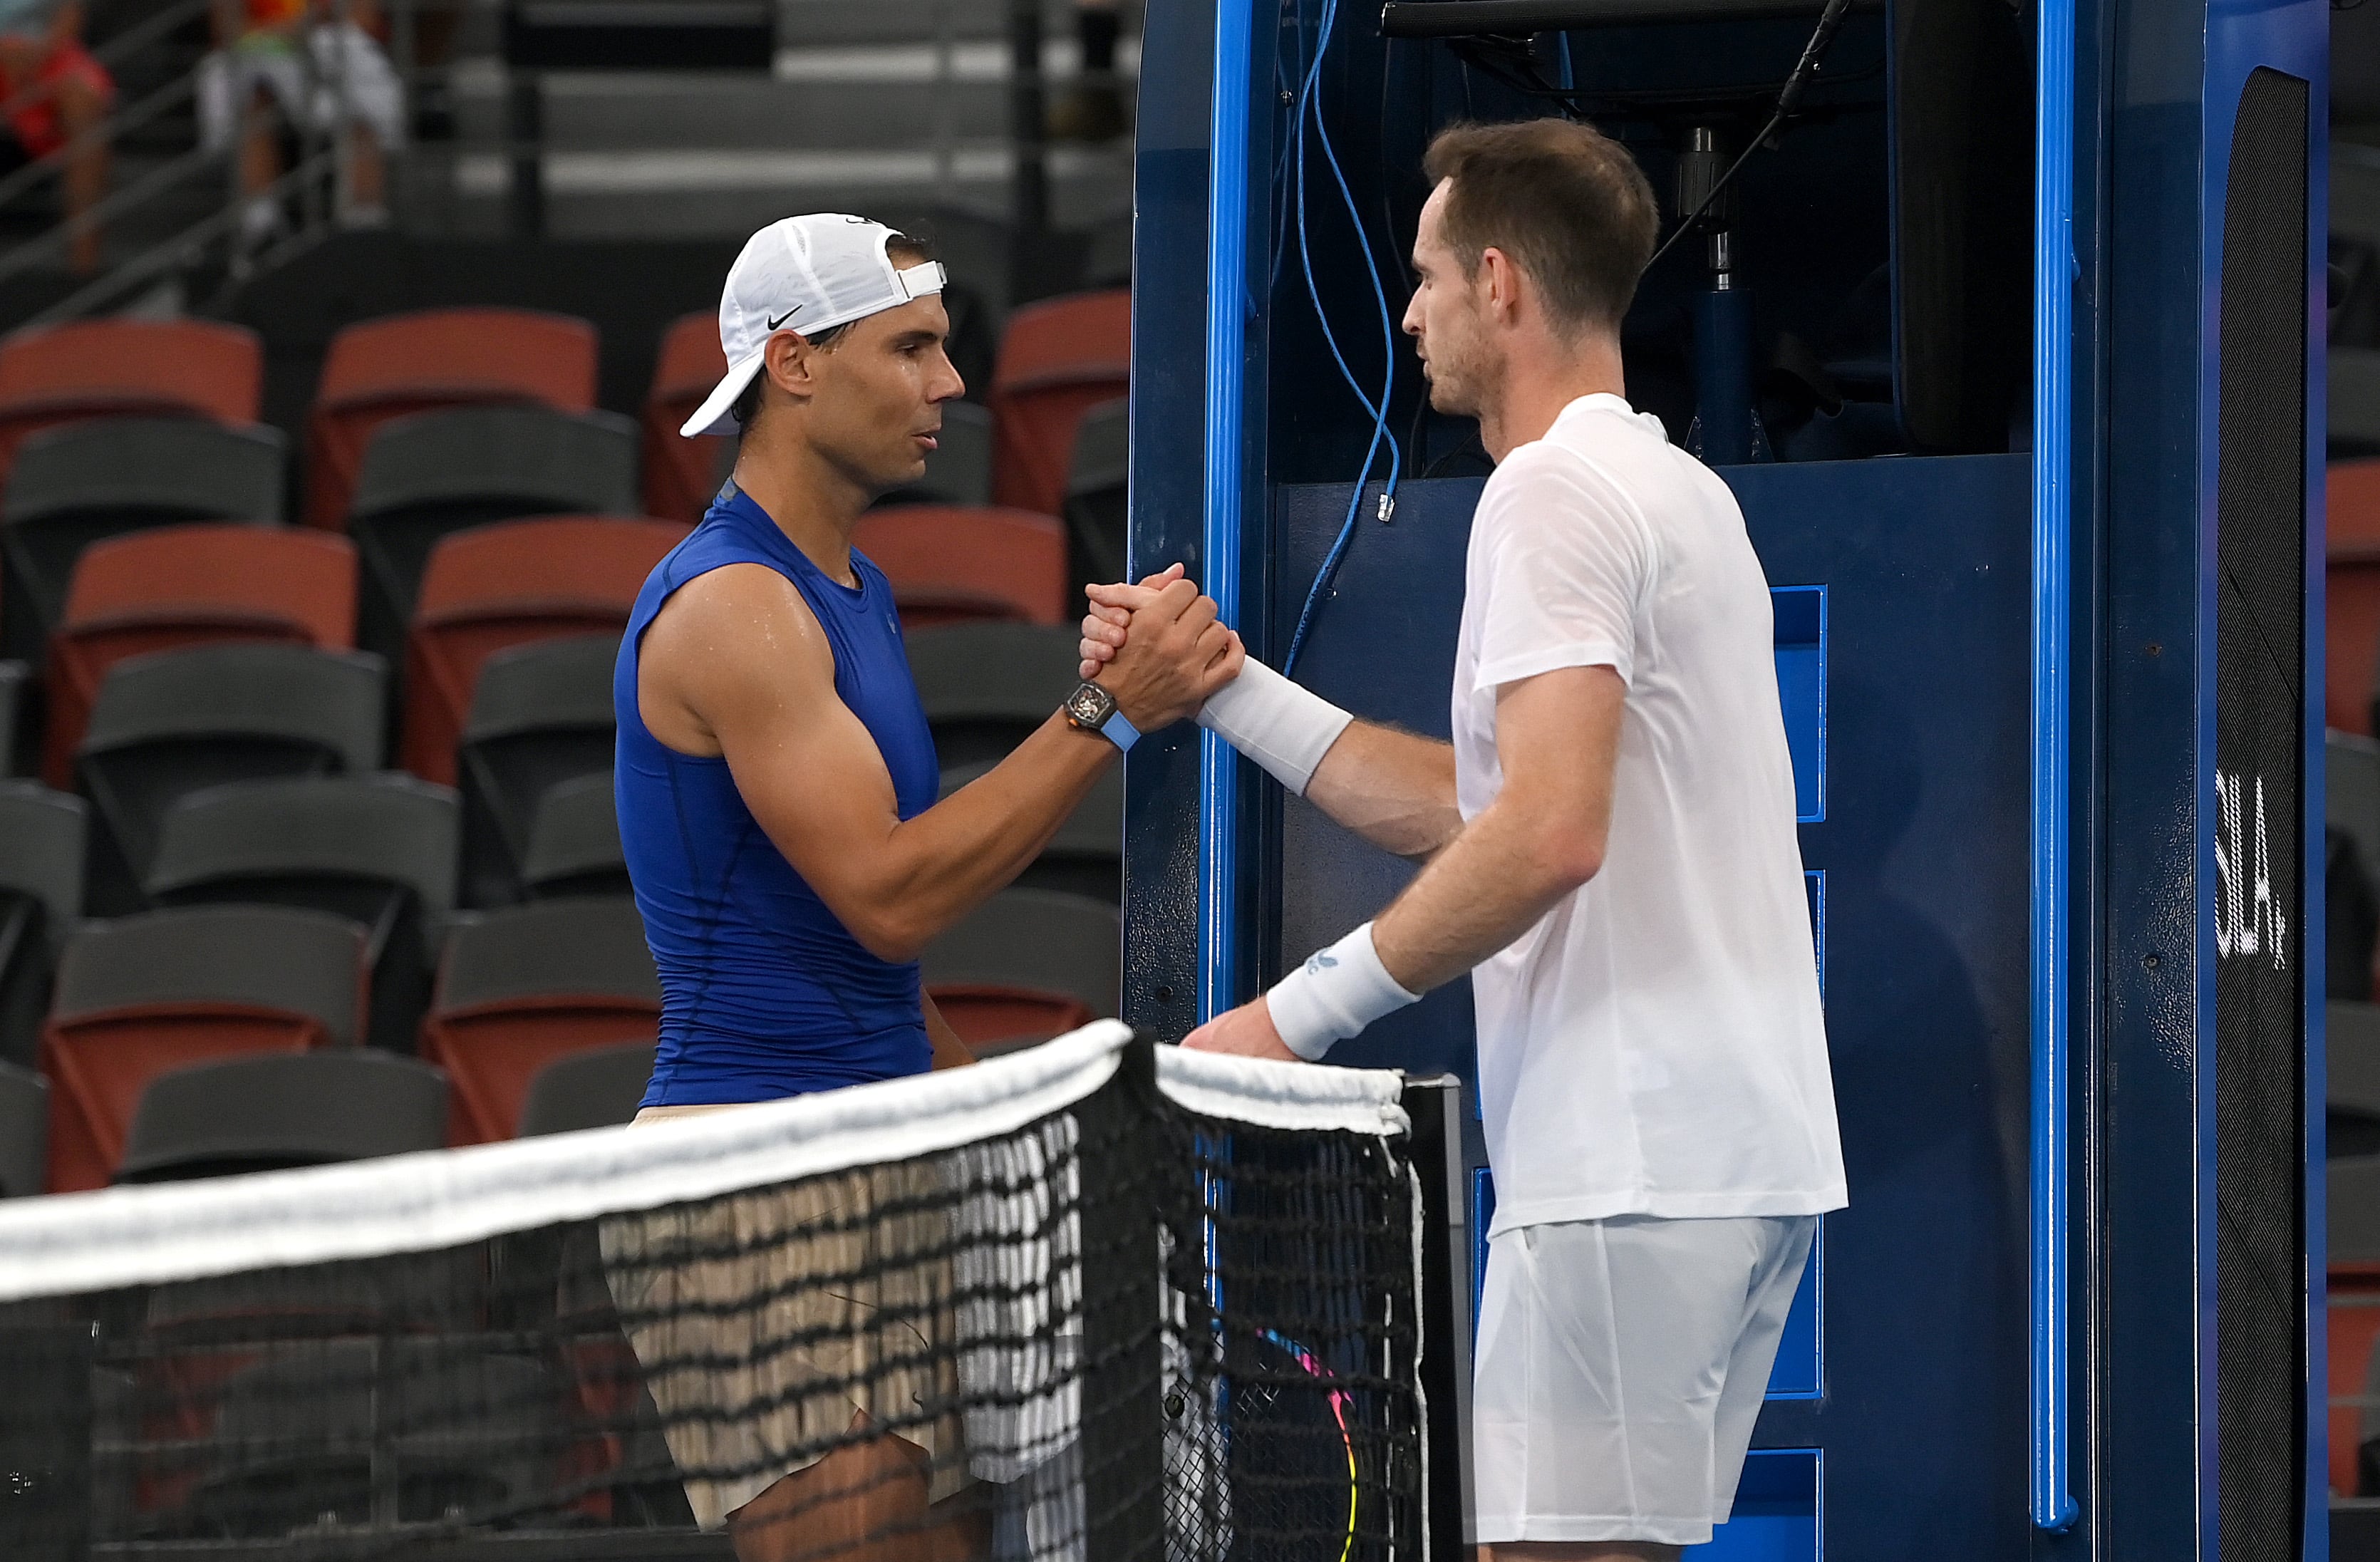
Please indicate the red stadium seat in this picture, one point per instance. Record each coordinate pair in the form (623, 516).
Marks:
(114, 367)
(681, 475)
(990, 1017)
(185, 586)
(142, 995)
(385, 369)
(951, 564)
(1058, 359)
(2351, 645)
(495, 587)
(2354, 1318)
(525, 986)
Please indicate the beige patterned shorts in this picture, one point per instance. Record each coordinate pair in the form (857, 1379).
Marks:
(765, 1322)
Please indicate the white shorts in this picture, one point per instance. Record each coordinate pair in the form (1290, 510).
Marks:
(1621, 1365)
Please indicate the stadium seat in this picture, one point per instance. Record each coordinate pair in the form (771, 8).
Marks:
(384, 369)
(144, 994)
(954, 565)
(341, 1434)
(987, 686)
(168, 724)
(522, 986)
(86, 482)
(959, 470)
(1058, 359)
(1096, 488)
(441, 472)
(2351, 635)
(540, 715)
(595, 1089)
(41, 905)
(2352, 1319)
(176, 587)
(126, 367)
(16, 716)
(1086, 857)
(24, 1131)
(574, 842)
(1026, 965)
(272, 1112)
(380, 850)
(681, 475)
(496, 586)
(2352, 1078)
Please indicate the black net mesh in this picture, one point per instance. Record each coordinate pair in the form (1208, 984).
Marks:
(1118, 1331)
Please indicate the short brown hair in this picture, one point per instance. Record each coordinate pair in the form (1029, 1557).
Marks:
(1565, 201)
(904, 251)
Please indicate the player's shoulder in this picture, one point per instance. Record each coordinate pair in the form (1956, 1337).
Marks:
(738, 619)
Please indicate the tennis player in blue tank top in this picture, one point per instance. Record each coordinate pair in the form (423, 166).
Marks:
(776, 779)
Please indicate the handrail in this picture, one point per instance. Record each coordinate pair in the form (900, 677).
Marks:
(1218, 558)
(2053, 282)
(128, 118)
(30, 253)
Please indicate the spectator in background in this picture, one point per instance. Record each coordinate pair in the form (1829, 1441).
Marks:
(56, 97)
(309, 66)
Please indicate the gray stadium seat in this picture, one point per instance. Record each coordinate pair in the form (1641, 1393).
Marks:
(304, 962)
(170, 723)
(574, 842)
(84, 482)
(2352, 1078)
(2351, 792)
(959, 471)
(1097, 481)
(987, 686)
(439, 472)
(380, 850)
(525, 985)
(1019, 964)
(272, 1112)
(597, 1089)
(540, 715)
(1086, 857)
(2354, 1209)
(41, 904)
(24, 1131)
(16, 711)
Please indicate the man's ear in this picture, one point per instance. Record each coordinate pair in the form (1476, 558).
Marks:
(1503, 280)
(790, 361)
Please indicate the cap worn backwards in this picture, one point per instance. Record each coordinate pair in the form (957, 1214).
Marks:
(807, 274)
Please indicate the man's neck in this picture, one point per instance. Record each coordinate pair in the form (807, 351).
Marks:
(812, 502)
(1537, 386)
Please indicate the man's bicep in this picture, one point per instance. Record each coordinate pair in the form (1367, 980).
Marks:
(1557, 743)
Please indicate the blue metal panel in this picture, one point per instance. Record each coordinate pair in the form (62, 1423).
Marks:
(1776, 1511)
(1801, 635)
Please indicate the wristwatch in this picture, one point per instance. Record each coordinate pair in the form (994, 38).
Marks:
(1093, 709)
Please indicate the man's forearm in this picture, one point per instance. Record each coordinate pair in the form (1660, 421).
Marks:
(1494, 883)
(933, 869)
(1392, 788)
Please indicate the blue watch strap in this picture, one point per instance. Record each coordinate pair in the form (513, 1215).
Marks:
(1119, 731)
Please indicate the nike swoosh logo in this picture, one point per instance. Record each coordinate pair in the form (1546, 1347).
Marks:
(777, 324)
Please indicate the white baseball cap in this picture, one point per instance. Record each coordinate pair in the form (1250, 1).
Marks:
(807, 274)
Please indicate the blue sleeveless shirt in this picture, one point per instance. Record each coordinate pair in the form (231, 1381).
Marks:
(764, 992)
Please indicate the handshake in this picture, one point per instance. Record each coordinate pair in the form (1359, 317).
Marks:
(1159, 649)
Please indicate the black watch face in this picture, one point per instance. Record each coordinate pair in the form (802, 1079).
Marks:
(1089, 705)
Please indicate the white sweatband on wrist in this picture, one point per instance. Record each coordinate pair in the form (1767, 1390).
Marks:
(1281, 726)
(1335, 993)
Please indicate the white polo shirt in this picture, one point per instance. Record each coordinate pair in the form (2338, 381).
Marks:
(1653, 1045)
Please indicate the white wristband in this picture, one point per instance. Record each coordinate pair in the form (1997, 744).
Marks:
(1335, 993)
(1281, 726)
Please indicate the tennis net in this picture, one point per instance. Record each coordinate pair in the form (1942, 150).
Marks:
(1097, 1301)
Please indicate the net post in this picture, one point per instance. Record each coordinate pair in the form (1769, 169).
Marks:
(1435, 1108)
(1125, 1177)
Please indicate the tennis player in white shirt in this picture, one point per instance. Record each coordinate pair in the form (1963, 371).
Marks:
(1608, 848)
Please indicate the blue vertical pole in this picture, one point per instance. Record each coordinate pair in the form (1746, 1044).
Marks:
(1226, 268)
(2053, 566)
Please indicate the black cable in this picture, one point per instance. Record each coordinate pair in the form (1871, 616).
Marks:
(1830, 21)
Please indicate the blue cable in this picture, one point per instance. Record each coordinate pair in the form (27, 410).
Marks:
(1309, 105)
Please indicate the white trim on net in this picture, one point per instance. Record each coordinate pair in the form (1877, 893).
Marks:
(72, 1242)
(1291, 1096)
(440, 1198)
